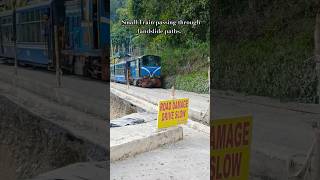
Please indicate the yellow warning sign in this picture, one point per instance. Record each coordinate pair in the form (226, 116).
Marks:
(173, 112)
(230, 148)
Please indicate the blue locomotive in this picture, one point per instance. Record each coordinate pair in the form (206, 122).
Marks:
(144, 71)
(82, 35)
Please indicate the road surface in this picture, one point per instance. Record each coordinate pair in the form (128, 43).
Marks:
(188, 159)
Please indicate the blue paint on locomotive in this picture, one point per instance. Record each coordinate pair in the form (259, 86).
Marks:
(80, 32)
(149, 66)
(104, 23)
(73, 28)
(149, 71)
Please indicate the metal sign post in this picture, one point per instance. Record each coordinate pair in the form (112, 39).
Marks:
(173, 92)
(128, 79)
(209, 76)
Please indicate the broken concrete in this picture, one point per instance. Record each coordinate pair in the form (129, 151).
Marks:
(129, 141)
(133, 119)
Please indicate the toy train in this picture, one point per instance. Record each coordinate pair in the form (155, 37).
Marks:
(82, 34)
(144, 71)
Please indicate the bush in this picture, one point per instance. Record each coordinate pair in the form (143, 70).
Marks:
(195, 82)
(277, 67)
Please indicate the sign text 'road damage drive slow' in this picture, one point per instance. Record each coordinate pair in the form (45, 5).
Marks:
(173, 112)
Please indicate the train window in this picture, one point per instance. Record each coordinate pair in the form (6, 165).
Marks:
(119, 69)
(133, 63)
(37, 15)
(28, 16)
(6, 28)
(107, 7)
(112, 70)
(32, 16)
(151, 61)
(22, 17)
(32, 26)
(44, 14)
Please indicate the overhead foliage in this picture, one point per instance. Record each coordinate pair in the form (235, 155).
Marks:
(166, 10)
(183, 55)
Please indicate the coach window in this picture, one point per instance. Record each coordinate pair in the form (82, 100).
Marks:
(30, 25)
(44, 18)
(33, 28)
(6, 29)
(120, 69)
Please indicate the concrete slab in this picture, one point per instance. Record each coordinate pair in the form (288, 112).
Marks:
(129, 141)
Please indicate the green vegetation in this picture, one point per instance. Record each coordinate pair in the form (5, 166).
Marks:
(265, 48)
(184, 56)
(8, 5)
